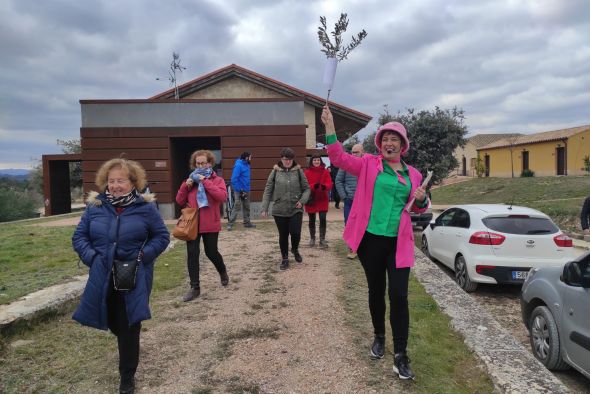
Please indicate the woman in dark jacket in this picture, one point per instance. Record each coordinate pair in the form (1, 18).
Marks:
(115, 225)
(320, 181)
(288, 189)
(206, 190)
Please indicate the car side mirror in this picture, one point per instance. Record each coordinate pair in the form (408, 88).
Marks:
(432, 225)
(572, 275)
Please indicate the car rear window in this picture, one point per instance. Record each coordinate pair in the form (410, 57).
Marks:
(521, 225)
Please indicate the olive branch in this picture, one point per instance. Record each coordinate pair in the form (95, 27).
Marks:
(336, 49)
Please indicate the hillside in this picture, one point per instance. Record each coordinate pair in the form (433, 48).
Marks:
(559, 197)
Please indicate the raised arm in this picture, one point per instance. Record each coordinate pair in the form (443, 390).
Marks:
(344, 161)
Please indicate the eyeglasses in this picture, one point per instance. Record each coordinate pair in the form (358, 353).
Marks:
(201, 163)
(286, 158)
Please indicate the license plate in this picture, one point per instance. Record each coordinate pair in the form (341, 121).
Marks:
(519, 274)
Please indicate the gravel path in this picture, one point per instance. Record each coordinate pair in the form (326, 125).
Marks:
(269, 331)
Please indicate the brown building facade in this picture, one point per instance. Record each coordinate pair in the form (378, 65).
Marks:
(229, 111)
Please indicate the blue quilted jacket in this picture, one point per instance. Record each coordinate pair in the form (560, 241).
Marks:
(102, 236)
(240, 177)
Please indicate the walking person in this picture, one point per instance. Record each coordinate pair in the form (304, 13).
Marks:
(203, 189)
(240, 181)
(379, 229)
(346, 186)
(119, 223)
(288, 190)
(320, 182)
(335, 195)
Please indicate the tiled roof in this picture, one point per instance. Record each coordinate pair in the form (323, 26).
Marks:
(234, 70)
(484, 139)
(537, 137)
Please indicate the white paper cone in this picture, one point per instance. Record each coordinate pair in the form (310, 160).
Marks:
(330, 72)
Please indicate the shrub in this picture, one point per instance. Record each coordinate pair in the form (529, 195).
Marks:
(16, 205)
(527, 173)
(480, 168)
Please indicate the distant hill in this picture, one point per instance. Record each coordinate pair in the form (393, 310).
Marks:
(15, 173)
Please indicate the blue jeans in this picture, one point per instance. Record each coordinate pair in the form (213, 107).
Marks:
(347, 206)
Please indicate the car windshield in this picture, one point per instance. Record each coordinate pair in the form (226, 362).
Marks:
(521, 225)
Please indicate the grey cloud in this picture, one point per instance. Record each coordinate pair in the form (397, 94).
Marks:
(511, 65)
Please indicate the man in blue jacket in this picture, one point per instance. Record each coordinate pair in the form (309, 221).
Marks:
(240, 181)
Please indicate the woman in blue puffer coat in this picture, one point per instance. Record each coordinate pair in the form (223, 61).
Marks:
(115, 225)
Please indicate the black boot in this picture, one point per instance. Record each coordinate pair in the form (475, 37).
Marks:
(224, 278)
(401, 366)
(298, 257)
(284, 263)
(193, 293)
(127, 385)
(378, 347)
(323, 243)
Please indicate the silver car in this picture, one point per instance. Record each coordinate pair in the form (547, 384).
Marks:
(555, 306)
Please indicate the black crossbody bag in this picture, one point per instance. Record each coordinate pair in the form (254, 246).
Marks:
(125, 271)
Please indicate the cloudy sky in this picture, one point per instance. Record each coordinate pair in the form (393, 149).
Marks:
(511, 65)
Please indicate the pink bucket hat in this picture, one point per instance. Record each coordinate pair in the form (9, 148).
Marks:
(399, 129)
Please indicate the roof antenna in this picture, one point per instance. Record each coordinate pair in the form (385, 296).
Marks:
(174, 66)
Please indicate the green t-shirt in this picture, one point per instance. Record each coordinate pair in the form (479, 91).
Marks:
(389, 199)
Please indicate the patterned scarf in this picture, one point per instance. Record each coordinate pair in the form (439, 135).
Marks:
(201, 195)
(122, 201)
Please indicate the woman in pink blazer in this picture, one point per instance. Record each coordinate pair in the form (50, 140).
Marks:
(379, 229)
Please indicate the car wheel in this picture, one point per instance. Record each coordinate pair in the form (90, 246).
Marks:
(424, 247)
(462, 276)
(544, 338)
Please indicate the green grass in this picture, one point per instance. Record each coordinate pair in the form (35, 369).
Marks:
(32, 258)
(59, 354)
(559, 197)
(440, 359)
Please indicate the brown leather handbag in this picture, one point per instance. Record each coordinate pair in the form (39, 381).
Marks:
(187, 227)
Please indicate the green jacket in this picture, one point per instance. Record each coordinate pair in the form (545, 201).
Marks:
(284, 187)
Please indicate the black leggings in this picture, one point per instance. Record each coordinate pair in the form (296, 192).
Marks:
(323, 224)
(377, 255)
(211, 251)
(127, 336)
(289, 226)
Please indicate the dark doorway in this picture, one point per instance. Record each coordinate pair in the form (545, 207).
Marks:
(487, 164)
(525, 160)
(56, 183)
(464, 172)
(560, 155)
(180, 154)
